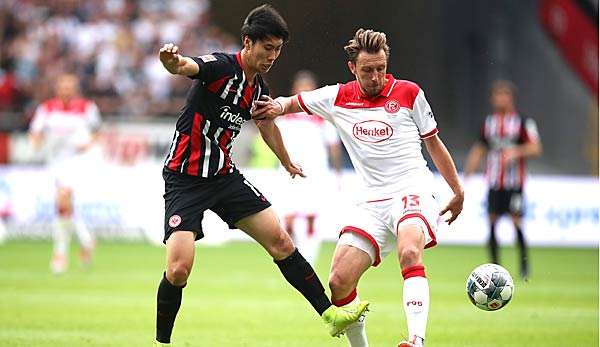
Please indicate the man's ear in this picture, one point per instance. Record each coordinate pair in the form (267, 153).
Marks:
(247, 42)
(352, 67)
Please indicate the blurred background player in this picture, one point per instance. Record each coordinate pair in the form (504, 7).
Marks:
(66, 127)
(508, 139)
(312, 142)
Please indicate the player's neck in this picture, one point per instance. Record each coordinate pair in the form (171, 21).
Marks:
(505, 112)
(246, 67)
(65, 100)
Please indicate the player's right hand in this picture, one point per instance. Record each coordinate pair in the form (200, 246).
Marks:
(266, 108)
(169, 56)
(294, 170)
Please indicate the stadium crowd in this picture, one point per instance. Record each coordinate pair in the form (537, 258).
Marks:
(111, 45)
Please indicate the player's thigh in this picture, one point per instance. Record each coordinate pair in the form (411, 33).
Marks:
(348, 265)
(365, 230)
(410, 244)
(186, 199)
(64, 195)
(415, 214)
(264, 227)
(180, 253)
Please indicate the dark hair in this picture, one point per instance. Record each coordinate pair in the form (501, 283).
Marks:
(369, 41)
(265, 21)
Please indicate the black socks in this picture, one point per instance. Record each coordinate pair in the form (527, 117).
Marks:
(168, 301)
(298, 272)
(493, 245)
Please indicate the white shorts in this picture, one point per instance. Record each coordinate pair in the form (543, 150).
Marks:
(70, 172)
(373, 226)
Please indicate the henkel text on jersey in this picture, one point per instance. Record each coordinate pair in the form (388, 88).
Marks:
(382, 133)
(217, 105)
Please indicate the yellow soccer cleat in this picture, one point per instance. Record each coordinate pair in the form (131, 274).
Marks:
(337, 319)
(159, 344)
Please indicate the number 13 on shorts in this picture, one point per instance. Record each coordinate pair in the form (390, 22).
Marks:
(411, 201)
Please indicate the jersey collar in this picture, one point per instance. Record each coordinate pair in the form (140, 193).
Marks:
(238, 57)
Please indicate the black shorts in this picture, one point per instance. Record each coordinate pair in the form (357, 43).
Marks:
(231, 197)
(501, 201)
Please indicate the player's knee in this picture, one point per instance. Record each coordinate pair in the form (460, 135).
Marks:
(178, 273)
(338, 282)
(409, 256)
(281, 246)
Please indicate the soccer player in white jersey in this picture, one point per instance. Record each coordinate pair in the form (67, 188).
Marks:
(301, 216)
(66, 126)
(382, 122)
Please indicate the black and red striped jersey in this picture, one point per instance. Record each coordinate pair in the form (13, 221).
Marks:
(217, 105)
(498, 133)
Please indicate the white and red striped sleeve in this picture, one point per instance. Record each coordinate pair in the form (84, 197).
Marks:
(93, 116)
(40, 119)
(530, 131)
(423, 116)
(320, 101)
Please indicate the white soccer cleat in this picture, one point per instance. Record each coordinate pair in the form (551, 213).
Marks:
(58, 265)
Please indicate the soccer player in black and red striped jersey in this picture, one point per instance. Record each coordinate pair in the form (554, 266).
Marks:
(199, 173)
(508, 138)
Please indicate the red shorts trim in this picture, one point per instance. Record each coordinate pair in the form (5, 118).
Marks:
(358, 231)
(433, 241)
(379, 200)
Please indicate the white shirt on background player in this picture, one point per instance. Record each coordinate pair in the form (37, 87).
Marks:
(67, 128)
(307, 139)
(382, 135)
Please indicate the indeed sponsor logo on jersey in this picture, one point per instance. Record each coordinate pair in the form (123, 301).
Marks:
(372, 131)
(235, 118)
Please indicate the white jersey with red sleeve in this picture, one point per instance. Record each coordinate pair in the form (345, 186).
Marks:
(67, 127)
(382, 134)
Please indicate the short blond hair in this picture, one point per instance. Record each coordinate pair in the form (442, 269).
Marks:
(369, 41)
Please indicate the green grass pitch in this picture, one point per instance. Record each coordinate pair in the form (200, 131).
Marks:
(237, 297)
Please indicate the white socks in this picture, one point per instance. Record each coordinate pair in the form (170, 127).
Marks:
(356, 332)
(416, 300)
(63, 229)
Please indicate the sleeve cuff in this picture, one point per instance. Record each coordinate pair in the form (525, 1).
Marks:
(302, 105)
(429, 134)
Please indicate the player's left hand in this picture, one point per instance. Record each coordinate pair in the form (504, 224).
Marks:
(455, 207)
(509, 155)
(266, 108)
(294, 170)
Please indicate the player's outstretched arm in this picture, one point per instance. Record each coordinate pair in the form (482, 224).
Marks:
(445, 165)
(267, 108)
(272, 136)
(476, 154)
(176, 63)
